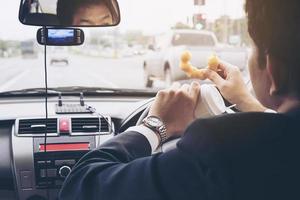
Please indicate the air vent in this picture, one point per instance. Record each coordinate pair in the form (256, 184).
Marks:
(89, 125)
(37, 126)
(85, 125)
(104, 125)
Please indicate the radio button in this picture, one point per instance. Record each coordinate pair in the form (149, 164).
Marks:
(50, 173)
(64, 162)
(43, 162)
(42, 173)
(64, 171)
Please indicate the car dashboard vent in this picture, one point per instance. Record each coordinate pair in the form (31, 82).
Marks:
(37, 127)
(92, 125)
(105, 125)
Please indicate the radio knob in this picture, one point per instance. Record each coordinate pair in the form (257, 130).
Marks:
(64, 171)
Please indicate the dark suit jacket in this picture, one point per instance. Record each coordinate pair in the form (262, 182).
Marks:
(247, 156)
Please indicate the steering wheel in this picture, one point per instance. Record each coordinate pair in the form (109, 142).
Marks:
(212, 103)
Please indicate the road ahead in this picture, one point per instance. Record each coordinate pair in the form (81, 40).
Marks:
(19, 73)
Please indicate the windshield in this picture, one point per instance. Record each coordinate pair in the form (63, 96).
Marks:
(132, 55)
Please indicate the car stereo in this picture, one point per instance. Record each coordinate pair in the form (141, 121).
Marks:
(54, 165)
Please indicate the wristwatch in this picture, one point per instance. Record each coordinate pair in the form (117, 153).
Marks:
(156, 125)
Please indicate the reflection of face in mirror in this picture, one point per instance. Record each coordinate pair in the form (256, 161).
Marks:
(87, 12)
(92, 15)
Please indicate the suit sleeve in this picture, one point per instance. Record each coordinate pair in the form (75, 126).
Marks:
(123, 168)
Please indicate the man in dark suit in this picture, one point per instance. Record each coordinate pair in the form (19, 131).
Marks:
(251, 155)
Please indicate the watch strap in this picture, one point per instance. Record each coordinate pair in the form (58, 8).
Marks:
(160, 131)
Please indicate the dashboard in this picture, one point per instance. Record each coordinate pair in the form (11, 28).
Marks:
(34, 169)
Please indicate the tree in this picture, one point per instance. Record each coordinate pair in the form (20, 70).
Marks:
(225, 27)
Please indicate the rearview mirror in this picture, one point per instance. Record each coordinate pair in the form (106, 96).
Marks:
(60, 37)
(66, 13)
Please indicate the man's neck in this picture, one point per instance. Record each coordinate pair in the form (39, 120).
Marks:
(288, 103)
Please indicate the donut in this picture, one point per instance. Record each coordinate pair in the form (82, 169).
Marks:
(213, 62)
(193, 72)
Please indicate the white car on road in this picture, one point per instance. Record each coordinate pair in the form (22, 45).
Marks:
(162, 63)
(59, 55)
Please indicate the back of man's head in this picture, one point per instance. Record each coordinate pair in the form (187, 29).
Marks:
(274, 26)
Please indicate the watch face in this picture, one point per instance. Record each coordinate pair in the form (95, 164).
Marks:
(154, 121)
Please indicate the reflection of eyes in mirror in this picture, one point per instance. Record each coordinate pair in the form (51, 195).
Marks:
(92, 15)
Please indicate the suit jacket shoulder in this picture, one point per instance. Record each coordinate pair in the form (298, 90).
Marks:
(234, 131)
(257, 153)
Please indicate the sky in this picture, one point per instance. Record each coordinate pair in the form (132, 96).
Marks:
(150, 16)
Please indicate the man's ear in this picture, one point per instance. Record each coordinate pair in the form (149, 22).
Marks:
(278, 76)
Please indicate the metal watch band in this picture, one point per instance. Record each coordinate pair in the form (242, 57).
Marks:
(163, 134)
(161, 131)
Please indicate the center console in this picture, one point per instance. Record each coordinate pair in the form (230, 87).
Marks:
(52, 167)
(40, 167)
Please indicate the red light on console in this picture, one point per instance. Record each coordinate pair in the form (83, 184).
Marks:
(65, 147)
(64, 125)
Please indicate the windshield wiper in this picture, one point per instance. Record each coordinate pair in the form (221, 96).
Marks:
(29, 92)
(98, 91)
(95, 89)
(77, 90)
(81, 89)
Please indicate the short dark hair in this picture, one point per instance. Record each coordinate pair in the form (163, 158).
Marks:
(274, 26)
(67, 8)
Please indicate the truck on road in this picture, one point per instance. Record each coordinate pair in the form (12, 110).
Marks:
(162, 62)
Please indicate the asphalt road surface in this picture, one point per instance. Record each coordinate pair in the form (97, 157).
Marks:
(19, 73)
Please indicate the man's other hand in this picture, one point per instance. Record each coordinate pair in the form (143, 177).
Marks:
(230, 82)
(175, 107)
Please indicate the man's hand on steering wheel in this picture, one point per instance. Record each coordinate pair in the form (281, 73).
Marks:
(175, 107)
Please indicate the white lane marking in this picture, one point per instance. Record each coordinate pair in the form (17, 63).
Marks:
(13, 81)
(104, 81)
